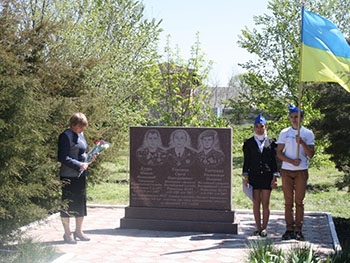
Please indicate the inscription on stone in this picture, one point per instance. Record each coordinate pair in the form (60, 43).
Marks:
(175, 167)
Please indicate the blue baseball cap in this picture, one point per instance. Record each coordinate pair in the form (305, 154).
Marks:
(260, 120)
(293, 109)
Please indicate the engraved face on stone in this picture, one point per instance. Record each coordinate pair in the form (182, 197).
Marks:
(180, 151)
(208, 142)
(152, 152)
(210, 154)
(153, 140)
(179, 139)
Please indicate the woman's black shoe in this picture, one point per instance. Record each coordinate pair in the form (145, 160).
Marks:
(81, 238)
(68, 240)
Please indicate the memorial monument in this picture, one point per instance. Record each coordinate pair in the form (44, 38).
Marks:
(180, 180)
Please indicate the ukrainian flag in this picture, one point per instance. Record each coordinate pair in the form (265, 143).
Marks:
(325, 53)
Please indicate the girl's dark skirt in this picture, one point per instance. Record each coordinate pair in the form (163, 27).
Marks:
(261, 181)
(74, 196)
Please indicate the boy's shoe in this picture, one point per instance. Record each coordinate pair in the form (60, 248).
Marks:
(288, 235)
(263, 233)
(299, 236)
(256, 233)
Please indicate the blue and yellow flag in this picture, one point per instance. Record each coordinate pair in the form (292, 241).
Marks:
(325, 53)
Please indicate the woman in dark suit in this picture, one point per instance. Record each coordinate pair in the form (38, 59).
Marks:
(72, 154)
(260, 171)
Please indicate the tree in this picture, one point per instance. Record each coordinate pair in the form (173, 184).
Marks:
(27, 182)
(184, 92)
(273, 79)
(56, 58)
(122, 45)
(236, 110)
(274, 76)
(334, 105)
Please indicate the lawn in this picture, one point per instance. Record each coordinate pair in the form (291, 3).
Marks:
(322, 194)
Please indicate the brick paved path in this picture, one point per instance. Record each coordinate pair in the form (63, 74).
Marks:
(110, 244)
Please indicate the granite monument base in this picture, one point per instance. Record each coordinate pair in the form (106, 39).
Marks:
(177, 219)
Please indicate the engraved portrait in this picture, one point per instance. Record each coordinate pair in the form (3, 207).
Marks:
(210, 154)
(152, 152)
(180, 151)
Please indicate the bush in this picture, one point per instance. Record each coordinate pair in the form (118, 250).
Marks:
(266, 252)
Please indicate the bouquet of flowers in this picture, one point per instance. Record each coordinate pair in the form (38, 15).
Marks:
(99, 146)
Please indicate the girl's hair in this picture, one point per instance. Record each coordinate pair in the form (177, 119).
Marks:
(78, 119)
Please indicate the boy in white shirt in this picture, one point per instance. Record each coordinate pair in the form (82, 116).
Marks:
(294, 170)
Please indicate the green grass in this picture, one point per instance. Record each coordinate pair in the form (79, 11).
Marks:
(114, 189)
(322, 194)
(109, 193)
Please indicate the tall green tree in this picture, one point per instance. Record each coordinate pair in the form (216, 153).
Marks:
(333, 126)
(183, 89)
(56, 58)
(122, 45)
(27, 183)
(273, 77)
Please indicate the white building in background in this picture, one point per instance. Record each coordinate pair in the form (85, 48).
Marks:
(219, 98)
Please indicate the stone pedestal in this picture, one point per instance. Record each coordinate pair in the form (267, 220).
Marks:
(182, 220)
(180, 180)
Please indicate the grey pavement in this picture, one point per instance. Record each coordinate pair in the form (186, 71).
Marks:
(109, 243)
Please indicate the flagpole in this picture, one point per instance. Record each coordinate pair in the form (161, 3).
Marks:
(300, 90)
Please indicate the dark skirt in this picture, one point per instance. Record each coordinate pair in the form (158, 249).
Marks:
(74, 196)
(261, 181)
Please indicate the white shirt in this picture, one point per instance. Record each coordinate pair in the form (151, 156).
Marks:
(287, 137)
(260, 143)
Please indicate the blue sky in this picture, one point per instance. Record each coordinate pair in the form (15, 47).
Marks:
(219, 22)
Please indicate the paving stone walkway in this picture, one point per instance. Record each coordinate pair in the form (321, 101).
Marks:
(110, 244)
